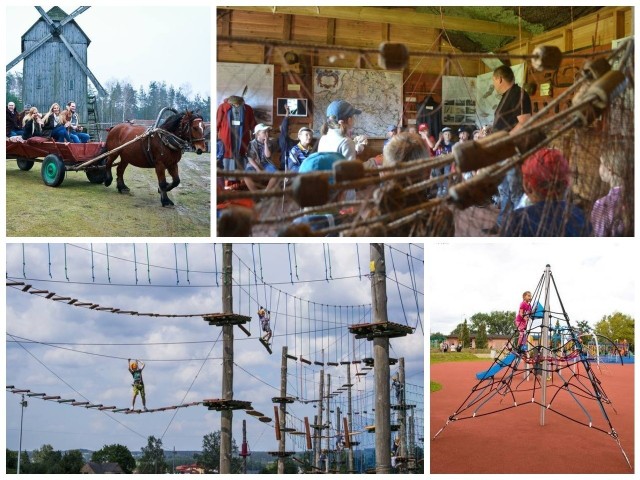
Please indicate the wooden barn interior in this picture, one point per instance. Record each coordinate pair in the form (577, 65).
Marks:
(441, 41)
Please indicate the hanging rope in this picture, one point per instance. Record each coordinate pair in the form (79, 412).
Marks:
(65, 262)
(395, 272)
(24, 273)
(135, 263)
(215, 264)
(186, 256)
(175, 254)
(358, 257)
(49, 255)
(329, 256)
(289, 257)
(295, 259)
(93, 276)
(324, 253)
(108, 270)
(148, 266)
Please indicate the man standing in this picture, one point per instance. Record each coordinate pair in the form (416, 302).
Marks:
(13, 125)
(511, 114)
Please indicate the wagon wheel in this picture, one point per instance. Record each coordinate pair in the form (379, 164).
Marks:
(53, 170)
(96, 174)
(24, 164)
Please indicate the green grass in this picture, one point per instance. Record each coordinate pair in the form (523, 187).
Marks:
(455, 357)
(78, 208)
(435, 387)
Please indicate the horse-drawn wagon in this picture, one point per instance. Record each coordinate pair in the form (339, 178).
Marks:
(58, 158)
(159, 147)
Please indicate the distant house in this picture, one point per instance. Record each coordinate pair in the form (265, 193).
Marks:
(495, 342)
(93, 467)
(193, 468)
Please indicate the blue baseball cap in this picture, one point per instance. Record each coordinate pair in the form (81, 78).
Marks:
(342, 110)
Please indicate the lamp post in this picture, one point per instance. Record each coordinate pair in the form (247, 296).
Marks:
(23, 403)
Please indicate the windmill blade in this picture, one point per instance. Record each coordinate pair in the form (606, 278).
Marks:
(73, 15)
(45, 17)
(84, 68)
(26, 53)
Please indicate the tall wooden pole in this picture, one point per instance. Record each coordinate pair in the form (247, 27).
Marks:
(328, 442)
(545, 345)
(338, 450)
(244, 443)
(283, 409)
(402, 413)
(226, 416)
(318, 431)
(350, 419)
(381, 360)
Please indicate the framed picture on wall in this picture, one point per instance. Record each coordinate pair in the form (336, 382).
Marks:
(297, 107)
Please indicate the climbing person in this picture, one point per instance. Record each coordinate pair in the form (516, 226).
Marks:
(398, 387)
(135, 368)
(265, 320)
(524, 313)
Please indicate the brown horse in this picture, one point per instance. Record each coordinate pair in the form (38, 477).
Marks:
(160, 148)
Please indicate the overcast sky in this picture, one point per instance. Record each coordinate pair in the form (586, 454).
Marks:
(93, 367)
(135, 43)
(594, 278)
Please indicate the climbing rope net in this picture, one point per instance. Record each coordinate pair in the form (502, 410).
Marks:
(544, 372)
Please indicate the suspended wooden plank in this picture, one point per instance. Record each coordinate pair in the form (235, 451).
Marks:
(380, 329)
(222, 319)
(219, 404)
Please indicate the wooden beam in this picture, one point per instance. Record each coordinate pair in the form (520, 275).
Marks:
(395, 17)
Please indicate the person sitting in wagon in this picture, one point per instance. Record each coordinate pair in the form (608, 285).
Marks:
(14, 128)
(53, 126)
(70, 118)
(32, 124)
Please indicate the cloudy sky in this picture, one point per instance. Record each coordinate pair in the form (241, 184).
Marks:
(313, 291)
(593, 278)
(135, 43)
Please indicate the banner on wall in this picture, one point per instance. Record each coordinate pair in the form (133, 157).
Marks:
(458, 101)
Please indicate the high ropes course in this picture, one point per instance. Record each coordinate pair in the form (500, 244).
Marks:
(551, 369)
(321, 342)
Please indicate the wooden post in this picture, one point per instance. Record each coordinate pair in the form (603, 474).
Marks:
(381, 360)
(412, 441)
(226, 416)
(283, 409)
(402, 413)
(328, 443)
(350, 465)
(307, 432)
(338, 450)
(545, 346)
(318, 431)
(244, 443)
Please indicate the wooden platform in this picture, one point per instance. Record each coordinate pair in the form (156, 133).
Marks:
(281, 454)
(219, 404)
(380, 329)
(283, 399)
(222, 319)
(402, 407)
(266, 345)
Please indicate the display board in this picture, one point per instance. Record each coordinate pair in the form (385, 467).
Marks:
(377, 93)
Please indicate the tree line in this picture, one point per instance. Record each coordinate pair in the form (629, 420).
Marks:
(123, 102)
(616, 326)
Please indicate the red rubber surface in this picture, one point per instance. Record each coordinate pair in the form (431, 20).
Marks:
(513, 441)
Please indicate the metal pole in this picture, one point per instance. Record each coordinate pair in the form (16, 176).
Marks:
(226, 416)
(23, 404)
(381, 361)
(545, 345)
(283, 409)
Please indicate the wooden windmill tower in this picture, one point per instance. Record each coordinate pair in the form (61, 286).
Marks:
(55, 69)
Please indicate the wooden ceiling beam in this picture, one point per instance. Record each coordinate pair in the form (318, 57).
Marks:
(396, 17)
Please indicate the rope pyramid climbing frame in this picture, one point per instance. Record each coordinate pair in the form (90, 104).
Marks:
(554, 362)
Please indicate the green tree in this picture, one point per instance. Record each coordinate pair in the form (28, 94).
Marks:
(210, 457)
(496, 322)
(272, 467)
(465, 336)
(152, 460)
(617, 327)
(12, 461)
(115, 454)
(46, 460)
(71, 462)
(481, 337)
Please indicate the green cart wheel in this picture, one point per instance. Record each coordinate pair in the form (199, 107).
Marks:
(53, 170)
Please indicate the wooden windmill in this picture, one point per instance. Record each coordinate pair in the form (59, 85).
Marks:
(55, 69)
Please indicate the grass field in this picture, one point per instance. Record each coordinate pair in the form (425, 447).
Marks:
(78, 208)
(455, 357)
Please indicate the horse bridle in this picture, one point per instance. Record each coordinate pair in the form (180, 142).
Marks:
(187, 126)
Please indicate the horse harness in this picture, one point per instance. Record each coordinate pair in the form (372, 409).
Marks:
(168, 139)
